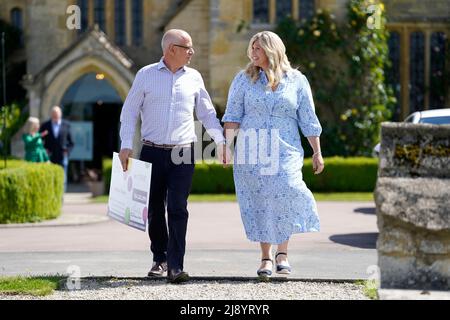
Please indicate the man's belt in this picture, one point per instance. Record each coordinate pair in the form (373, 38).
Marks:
(165, 146)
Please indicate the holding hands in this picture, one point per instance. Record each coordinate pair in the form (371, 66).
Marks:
(224, 154)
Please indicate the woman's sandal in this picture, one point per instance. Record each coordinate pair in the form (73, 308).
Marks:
(282, 268)
(264, 274)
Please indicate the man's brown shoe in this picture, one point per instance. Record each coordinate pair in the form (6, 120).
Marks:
(158, 269)
(177, 276)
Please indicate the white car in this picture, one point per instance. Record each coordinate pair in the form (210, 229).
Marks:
(435, 116)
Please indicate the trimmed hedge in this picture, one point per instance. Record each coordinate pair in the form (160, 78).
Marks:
(30, 192)
(358, 174)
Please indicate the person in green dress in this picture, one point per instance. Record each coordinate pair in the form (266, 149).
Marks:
(34, 147)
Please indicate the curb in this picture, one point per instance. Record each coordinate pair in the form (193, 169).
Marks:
(224, 278)
(52, 223)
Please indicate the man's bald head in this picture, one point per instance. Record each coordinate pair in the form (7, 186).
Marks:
(56, 114)
(174, 36)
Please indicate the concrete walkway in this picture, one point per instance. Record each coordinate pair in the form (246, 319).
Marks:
(85, 239)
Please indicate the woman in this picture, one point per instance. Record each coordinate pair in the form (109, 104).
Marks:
(271, 98)
(34, 147)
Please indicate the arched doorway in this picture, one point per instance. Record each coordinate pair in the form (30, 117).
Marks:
(92, 105)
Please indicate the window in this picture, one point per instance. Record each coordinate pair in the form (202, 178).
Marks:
(393, 72)
(119, 16)
(83, 5)
(417, 71)
(17, 18)
(261, 11)
(273, 11)
(306, 9)
(437, 70)
(17, 21)
(137, 22)
(99, 13)
(284, 9)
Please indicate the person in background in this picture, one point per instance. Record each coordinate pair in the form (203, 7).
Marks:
(34, 146)
(58, 142)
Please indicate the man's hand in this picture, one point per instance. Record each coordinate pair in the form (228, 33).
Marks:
(124, 155)
(44, 133)
(318, 163)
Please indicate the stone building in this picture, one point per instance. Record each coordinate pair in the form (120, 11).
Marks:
(89, 71)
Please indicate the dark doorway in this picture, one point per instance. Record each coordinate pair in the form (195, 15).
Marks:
(93, 107)
(106, 131)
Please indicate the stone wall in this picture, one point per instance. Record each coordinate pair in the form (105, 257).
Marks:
(417, 10)
(413, 206)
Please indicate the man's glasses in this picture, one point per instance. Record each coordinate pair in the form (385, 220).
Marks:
(185, 47)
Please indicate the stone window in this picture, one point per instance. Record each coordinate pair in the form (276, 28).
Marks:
(137, 22)
(284, 9)
(99, 14)
(393, 71)
(119, 17)
(83, 5)
(417, 54)
(261, 11)
(17, 21)
(273, 11)
(437, 70)
(417, 71)
(306, 9)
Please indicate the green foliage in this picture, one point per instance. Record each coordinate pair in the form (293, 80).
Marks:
(345, 65)
(30, 192)
(15, 119)
(357, 174)
(107, 170)
(342, 175)
(212, 178)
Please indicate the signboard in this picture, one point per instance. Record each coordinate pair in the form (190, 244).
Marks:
(129, 192)
(83, 137)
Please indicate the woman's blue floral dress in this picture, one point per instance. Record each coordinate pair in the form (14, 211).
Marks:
(273, 199)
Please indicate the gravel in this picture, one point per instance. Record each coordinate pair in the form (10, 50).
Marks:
(133, 289)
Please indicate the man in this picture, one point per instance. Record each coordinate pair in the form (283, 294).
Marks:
(165, 95)
(58, 142)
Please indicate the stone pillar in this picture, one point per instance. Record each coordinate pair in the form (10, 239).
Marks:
(413, 206)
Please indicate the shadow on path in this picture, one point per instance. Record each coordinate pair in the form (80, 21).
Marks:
(359, 240)
(368, 210)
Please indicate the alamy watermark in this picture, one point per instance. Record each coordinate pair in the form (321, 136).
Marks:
(73, 281)
(259, 147)
(73, 21)
(375, 12)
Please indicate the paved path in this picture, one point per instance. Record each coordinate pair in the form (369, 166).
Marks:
(216, 243)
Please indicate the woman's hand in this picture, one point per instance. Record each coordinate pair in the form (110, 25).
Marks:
(318, 163)
(44, 133)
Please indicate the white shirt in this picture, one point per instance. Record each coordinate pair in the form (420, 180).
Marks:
(55, 127)
(166, 102)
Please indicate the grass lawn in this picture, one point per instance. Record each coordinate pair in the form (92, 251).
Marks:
(319, 196)
(35, 286)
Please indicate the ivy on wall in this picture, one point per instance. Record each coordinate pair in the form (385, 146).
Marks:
(345, 64)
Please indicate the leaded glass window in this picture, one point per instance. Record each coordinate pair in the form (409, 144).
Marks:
(437, 70)
(260, 11)
(417, 71)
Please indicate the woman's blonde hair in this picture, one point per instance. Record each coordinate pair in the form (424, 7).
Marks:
(275, 51)
(32, 121)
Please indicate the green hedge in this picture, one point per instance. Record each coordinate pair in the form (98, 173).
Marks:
(30, 192)
(358, 174)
